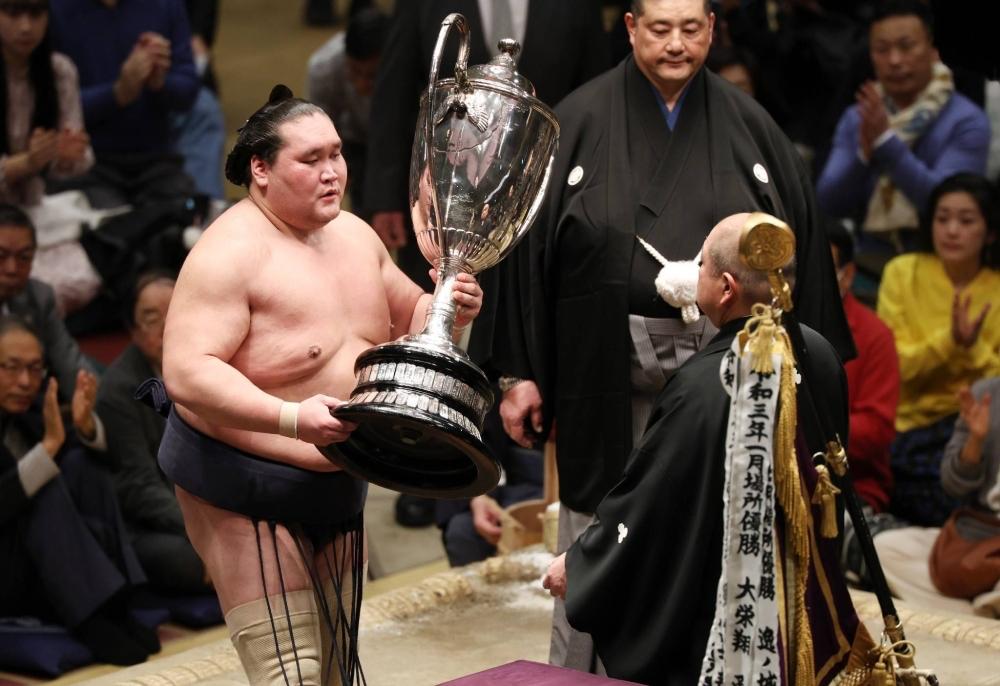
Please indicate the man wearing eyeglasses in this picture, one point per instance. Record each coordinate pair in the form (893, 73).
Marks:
(34, 302)
(65, 551)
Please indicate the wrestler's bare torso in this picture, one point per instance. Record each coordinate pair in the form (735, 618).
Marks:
(299, 311)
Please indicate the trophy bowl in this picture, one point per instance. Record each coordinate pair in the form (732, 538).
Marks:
(481, 159)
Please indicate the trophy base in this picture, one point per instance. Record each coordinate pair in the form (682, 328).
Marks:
(418, 408)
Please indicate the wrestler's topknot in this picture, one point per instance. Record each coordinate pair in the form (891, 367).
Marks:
(259, 135)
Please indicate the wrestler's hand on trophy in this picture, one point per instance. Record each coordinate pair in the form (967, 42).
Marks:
(82, 406)
(391, 228)
(554, 580)
(468, 297)
(55, 432)
(315, 423)
(521, 413)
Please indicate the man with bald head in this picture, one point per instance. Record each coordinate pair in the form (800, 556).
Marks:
(642, 579)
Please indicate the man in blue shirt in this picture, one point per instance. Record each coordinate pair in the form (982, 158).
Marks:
(909, 130)
(135, 65)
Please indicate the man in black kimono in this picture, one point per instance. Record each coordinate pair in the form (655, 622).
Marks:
(661, 149)
(642, 580)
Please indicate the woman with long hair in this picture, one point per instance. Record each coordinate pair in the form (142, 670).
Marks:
(41, 112)
(43, 137)
(940, 306)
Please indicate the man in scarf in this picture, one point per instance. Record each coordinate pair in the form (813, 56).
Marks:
(686, 575)
(908, 131)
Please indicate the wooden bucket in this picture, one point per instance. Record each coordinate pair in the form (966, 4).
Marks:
(521, 526)
(528, 522)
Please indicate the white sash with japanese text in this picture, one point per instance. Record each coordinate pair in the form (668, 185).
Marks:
(743, 643)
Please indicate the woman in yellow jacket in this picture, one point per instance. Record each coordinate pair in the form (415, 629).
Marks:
(940, 307)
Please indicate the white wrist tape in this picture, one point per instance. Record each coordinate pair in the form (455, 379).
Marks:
(288, 419)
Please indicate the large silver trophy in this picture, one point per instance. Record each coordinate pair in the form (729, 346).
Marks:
(481, 159)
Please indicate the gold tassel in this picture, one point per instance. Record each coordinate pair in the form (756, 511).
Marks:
(805, 668)
(825, 496)
(760, 333)
(881, 676)
(786, 467)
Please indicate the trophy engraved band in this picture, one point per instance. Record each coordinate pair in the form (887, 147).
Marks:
(481, 158)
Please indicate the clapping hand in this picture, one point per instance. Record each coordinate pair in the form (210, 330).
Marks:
(965, 328)
(84, 398)
(158, 49)
(55, 432)
(874, 118)
(43, 147)
(72, 146)
(975, 413)
(135, 71)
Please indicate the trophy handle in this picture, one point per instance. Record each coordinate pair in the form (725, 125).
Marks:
(441, 313)
(461, 78)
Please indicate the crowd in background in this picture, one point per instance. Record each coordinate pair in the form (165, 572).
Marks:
(111, 166)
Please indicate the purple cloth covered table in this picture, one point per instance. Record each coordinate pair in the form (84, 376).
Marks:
(525, 673)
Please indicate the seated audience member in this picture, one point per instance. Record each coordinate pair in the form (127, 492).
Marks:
(341, 77)
(43, 137)
(872, 383)
(135, 69)
(965, 563)
(66, 557)
(908, 131)
(971, 467)
(34, 302)
(872, 395)
(134, 430)
(939, 305)
(470, 529)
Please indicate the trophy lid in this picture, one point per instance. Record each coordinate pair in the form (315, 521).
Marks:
(502, 69)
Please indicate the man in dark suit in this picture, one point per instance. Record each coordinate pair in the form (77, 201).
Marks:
(563, 45)
(35, 302)
(151, 512)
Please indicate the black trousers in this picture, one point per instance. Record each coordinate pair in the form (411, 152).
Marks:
(68, 552)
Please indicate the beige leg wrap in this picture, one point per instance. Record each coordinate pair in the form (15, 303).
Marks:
(252, 634)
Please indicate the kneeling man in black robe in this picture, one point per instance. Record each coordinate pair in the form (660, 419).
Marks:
(644, 579)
